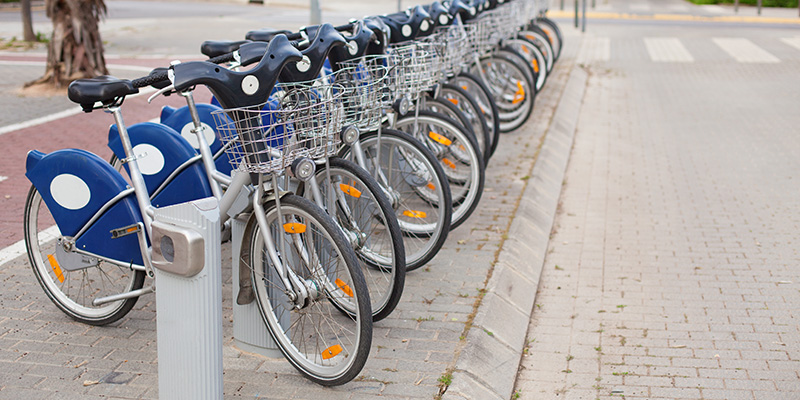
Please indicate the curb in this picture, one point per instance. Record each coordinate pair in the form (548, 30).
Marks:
(488, 363)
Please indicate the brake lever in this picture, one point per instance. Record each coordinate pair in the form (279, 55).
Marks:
(161, 91)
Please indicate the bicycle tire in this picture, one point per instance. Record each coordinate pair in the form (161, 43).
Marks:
(73, 291)
(511, 89)
(373, 230)
(459, 154)
(418, 191)
(346, 336)
(533, 55)
(553, 33)
(442, 106)
(539, 38)
(483, 96)
(471, 111)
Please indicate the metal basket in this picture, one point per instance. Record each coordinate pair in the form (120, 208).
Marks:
(366, 90)
(417, 68)
(298, 120)
(452, 46)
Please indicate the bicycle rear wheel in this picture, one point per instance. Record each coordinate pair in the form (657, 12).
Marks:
(511, 89)
(471, 111)
(72, 281)
(366, 217)
(327, 346)
(483, 97)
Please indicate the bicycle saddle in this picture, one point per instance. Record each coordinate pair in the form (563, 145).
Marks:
(465, 9)
(265, 35)
(325, 38)
(382, 35)
(214, 48)
(439, 14)
(239, 88)
(408, 25)
(356, 44)
(104, 88)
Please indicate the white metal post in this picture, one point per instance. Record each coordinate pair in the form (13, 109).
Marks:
(187, 261)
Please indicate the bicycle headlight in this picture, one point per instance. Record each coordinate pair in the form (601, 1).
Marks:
(303, 168)
(350, 134)
(402, 105)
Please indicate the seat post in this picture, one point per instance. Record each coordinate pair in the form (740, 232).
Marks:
(137, 180)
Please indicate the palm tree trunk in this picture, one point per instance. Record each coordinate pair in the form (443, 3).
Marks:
(75, 50)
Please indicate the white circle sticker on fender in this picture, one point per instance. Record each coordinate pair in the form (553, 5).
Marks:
(70, 192)
(190, 137)
(443, 20)
(149, 158)
(424, 25)
(406, 31)
(352, 48)
(250, 85)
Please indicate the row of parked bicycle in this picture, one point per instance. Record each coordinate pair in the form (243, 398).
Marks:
(350, 151)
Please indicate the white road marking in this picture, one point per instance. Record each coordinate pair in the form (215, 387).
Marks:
(667, 49)
(594, 49)
(745, 51)
(794, 42)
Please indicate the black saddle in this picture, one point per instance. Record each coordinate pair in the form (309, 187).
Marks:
(265, 35)
(439, 14)
(103, 88)
(356, 44)
(214, 48)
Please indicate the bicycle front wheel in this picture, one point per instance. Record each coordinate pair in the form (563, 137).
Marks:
(417, 188)
(365, 215)
(72, 281)
(327, 346)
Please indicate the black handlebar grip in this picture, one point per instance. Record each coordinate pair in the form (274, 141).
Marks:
(151, 79)
(221, 59)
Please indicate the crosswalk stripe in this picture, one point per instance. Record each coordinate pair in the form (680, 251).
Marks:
(594, 49)
(794, 42)
(745, 51)
(667, 50)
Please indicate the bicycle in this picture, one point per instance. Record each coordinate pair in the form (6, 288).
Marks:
(302, 265)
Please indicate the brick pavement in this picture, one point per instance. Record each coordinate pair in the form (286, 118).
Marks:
(672, 267)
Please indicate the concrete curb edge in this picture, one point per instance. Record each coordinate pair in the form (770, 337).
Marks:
(487, 365)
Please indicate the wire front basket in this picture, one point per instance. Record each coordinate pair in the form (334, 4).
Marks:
(417, 68)
(452, 45)
(298, 120)
(366, 90)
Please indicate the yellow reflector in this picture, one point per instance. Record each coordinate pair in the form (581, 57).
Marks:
(294, 227)
(535, 65)
(414, 214)
(431, 186)
(439, 138)
(331, 352)
(464, 87)
(345, 288)
(519, 95)
(448, 163)
(454, 101)
(525, 50)
(530, 37)
(350, 190)
(132, 229)
(56, 268)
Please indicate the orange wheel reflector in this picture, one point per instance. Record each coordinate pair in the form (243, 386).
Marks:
(331, 352)
(530, 37)
(550, 38)
(464, 87)
(439, 138)
(520, 94)
(345, 288)
(350, 190)
(454, 101)
(56, 268)
(294, 227)
(449, 163)
(525, 50)
(431, 186)
(414, 214)
(535, 65)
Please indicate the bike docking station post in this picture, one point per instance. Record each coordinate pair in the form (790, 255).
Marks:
(249, 330)
(188, 273)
